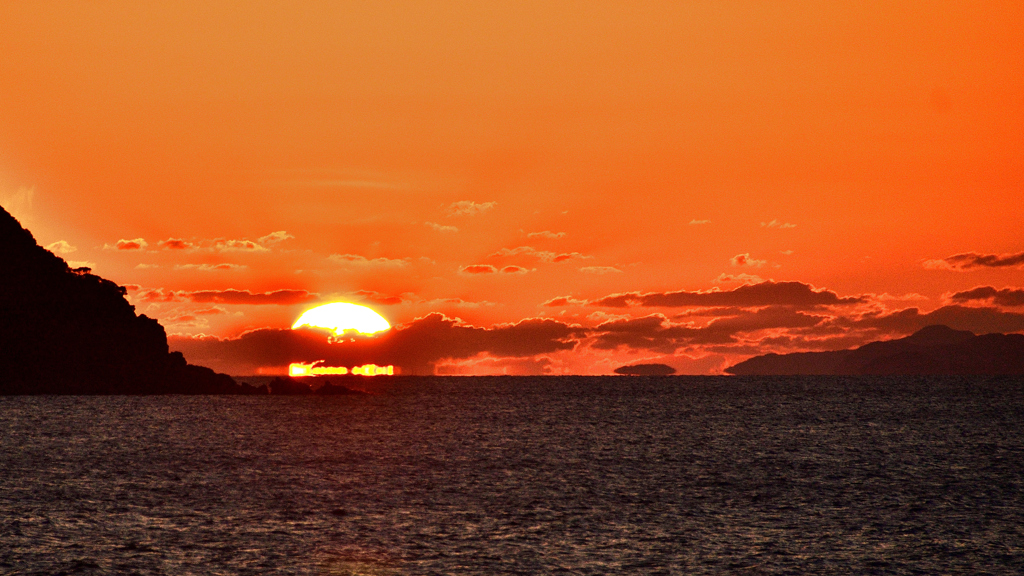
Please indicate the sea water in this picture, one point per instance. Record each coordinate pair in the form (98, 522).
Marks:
(623, 475)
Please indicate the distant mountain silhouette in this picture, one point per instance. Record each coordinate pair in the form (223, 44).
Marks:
(67, 331)
(931, 350)
(645, 370)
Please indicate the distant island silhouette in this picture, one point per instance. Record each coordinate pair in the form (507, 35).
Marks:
(645, 370)
(933, 350)
(68, 331)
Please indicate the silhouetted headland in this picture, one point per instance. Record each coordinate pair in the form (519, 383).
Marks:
(67, 331)
(646, 370)
(932, 350)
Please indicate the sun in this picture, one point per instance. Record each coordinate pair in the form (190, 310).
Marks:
(340, 317)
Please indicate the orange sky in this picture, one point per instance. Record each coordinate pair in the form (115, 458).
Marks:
(479, 160)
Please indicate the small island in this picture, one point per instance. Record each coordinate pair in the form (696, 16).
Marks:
(646, 370)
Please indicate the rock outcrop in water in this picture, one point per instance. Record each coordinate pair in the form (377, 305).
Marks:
(67, 331)
(931, 350)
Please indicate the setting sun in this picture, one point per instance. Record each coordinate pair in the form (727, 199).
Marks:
(340, 317)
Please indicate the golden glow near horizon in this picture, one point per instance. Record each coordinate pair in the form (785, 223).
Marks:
(299, 369)
(340, 317)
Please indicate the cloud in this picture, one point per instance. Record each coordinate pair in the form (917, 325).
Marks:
(274, 238)
(478, 269)
(1003, 297)
(415, 347)
(459, 302)
(600, 270)
(231, 296)
(699, 222)
(217, 245)
(146, 266)
(222, 245)
(655, 332)
(746, 260)
(122, 244)
(564, 301)
(441, 228)
(980, 320)
(263, 244)
(61, 247)
(908, 297)
(724, 278)
(648, 333)
(191, 318)
(542, 255)
(357, 260)
(175, 244)
(377, 298)
(972, 260)
(514, 270)
(777, 224)
(224, 266)
(763, 294)
(546, 234)
(160, 295)
(468, 208)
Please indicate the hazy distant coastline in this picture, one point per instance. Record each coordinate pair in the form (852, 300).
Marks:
(934, 350)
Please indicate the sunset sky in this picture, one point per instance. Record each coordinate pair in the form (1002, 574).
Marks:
(526, 187)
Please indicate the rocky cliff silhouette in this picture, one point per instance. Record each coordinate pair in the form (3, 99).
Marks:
(931, 350)
(67, 331)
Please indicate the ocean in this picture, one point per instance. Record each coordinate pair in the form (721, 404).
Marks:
(522, 475)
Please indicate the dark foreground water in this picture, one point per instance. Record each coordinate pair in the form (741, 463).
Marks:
(523, 476)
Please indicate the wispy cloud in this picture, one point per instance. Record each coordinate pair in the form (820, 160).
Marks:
(440, 227)
(600, 270)
(363, 261)
(122, 244)
(696, 222)
(746, 260)
(468, 208)
(61, 247)
(724, 278)
(778, 224)
(1001, 297)
(222, 267)
(546, 234)
(542, 255)
(564, 301)
(229, 296)
(972, 260)
(175, 244)
(763, 294)
(274, 238)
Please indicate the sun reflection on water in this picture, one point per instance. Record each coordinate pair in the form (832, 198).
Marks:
(299, 369)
